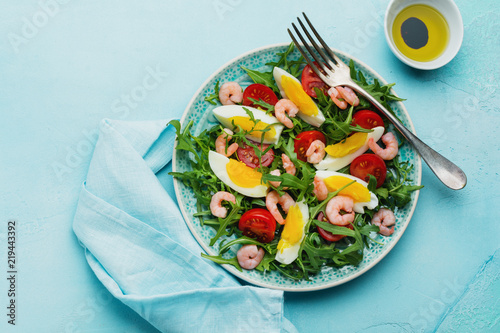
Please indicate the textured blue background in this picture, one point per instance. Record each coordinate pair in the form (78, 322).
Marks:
(62, 72)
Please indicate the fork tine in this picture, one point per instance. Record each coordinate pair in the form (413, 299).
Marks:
(307, 47)
(306, 57)
(328, 61)
(326, 47)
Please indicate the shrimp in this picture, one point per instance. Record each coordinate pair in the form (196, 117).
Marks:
(348, 95)
(384, 218)
(288, 165)
(315, 152)
(230, 93)
(272, 201)
(216, 203)
(289, 168)
(221, 141)
(249, 256)
(334, 95)
(335, 205)
(320, 191)
(391, 146)
(285, 106)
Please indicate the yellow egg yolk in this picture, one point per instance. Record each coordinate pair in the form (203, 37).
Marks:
(348, 146)
(356, 191)
(298, 96)
(248, 125)
(293, 230)
(242, 175)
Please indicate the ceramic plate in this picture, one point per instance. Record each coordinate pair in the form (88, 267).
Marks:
(200, 111)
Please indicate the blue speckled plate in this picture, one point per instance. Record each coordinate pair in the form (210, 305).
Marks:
(200, 111)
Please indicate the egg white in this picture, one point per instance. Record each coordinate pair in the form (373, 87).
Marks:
(337, 163)
(218, 164)
(316, 120)
(289, 254)
(358, 206)
(224, 113)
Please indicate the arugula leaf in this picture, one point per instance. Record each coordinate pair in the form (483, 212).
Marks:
(372, 183)
(381, 93)
(265, 78)
(262, 104)
(222, 261)
(265, 264)
(293, 67)
(396, 190)
(213, 98)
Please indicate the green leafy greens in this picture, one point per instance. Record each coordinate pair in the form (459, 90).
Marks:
(315, 253)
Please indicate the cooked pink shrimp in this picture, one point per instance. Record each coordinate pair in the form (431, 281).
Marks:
(275, 173)
(220, 143)
(289, 168)
(288, 165)
(285, 106)
(384, 218)
(348, 95)
(334, 95)
(391, 146)
(249, 256)
(216, 203)
(272, 201)
(315, 152)
(230, 93)
(320, 191)
(335, 205)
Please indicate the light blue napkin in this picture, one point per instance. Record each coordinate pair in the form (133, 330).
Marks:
(140, 248)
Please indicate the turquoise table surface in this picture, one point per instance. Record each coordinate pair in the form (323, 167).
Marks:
(65, 65)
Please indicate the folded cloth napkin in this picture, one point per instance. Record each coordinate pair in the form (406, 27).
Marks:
(140, 248)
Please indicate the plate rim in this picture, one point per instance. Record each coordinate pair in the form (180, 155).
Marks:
(232, 269)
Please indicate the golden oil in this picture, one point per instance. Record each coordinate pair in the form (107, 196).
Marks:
(420, 32)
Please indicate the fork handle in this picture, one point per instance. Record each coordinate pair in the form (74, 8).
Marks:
(447, 172)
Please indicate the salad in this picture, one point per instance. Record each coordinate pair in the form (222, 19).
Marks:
(294, 190)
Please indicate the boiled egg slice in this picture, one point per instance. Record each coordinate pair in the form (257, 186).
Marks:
(237, 175)
(343, 153)
(291, 88)
(293, 233)
(358, 191)
(264, 124)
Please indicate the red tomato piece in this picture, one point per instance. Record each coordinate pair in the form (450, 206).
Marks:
(247, 155)
(258, 223)
(328, 235)
(304, 140)
(310, 81)
(369, 164)
(367, 119)
(259, 91)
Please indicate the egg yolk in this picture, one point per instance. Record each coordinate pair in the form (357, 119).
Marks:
(298, 96)
(294, 228)
(248, 125)
(356, 191)
(348, 146)
(242, 175)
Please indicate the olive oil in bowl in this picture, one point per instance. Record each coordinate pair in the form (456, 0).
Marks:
(420, 32)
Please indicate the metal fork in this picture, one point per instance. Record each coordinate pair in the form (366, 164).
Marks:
(334, 72)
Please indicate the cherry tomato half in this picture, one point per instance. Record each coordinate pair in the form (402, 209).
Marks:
(328, 235)
(369, 164)
(310, 81)
(304, 140)
(258, 223)
(259, 91)
(367, 119)
(247, 155)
